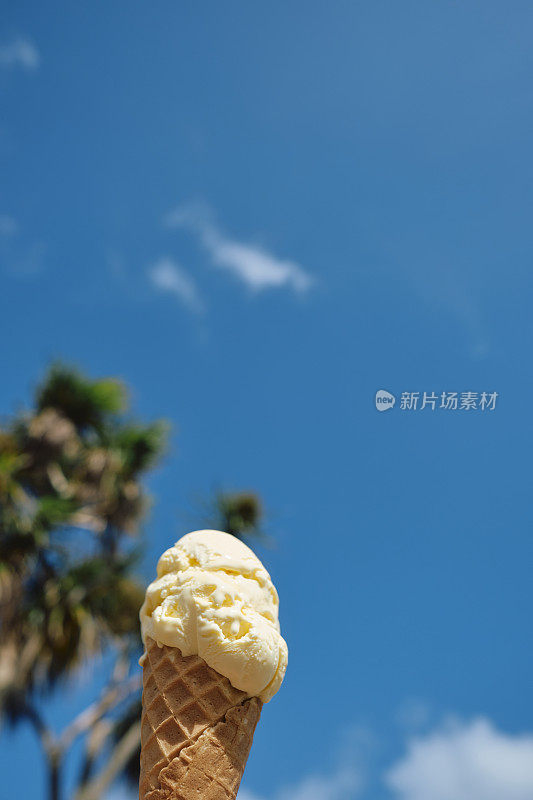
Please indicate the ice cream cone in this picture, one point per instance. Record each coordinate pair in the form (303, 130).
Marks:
(196, 729)
(213, 600)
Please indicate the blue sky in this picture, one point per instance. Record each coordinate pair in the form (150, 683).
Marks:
(257, 216)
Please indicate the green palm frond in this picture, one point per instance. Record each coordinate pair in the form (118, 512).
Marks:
(73, 463)
(140, 446)
(87, 403)
(238, 513)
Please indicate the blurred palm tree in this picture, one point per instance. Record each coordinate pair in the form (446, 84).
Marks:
(238, 513)
(71, 503)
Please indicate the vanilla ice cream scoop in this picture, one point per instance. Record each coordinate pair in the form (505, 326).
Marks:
(213, 598)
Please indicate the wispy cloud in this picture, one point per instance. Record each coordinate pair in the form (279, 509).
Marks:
(456, 760)
(345, 781)
(465, 761)
(252, 264)
(168, 276)
(343, 784)
(340, 785)
(19, 52)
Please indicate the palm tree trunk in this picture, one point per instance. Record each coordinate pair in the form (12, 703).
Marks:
(124, 749)
(54, 775)
(51, 748)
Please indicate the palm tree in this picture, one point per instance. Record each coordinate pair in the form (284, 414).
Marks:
(71, 503)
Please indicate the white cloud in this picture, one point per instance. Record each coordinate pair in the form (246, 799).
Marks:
(256, 267)
(251, 264)
(465, 761)
(168, 276)
(342, 784)
(19, 52)
(457, 760)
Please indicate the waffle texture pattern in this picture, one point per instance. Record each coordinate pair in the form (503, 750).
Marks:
(196, 729)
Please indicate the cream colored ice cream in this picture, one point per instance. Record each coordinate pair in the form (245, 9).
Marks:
(213, 598)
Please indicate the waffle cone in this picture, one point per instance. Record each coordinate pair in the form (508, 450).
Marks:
(196, 729)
